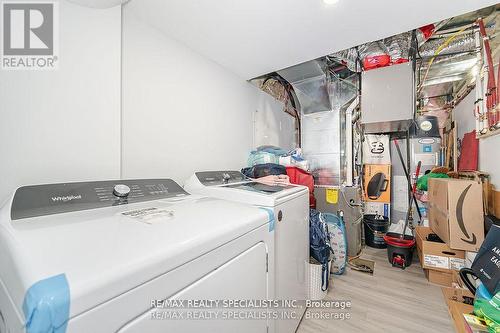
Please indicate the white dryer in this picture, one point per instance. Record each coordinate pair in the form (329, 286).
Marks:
(101, 256)
(290, 207)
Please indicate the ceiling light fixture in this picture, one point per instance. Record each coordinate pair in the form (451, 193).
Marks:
(330, 2)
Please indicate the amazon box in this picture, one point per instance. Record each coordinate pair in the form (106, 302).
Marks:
(377, 183)
(456, 212)
(437, 259)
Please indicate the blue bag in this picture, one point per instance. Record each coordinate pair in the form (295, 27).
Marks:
(319, 243)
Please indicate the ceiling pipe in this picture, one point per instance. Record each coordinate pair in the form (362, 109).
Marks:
(491, 94)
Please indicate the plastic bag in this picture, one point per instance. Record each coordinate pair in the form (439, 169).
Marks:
(488, 311)
(272, 150)
(261, 157)
(422, 182)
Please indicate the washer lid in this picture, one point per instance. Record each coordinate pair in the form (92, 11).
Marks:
(105, 252)
(212, 183)
(260, 187)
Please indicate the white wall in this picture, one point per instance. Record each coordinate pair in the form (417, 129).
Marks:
(181, 111)
(64, 125)
(489, 148)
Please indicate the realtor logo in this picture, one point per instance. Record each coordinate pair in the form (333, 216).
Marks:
(29, 35)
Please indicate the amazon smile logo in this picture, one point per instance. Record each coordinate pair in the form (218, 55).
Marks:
(460, 218)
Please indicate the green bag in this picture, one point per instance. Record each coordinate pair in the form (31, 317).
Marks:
(422, 182)
(489, 311)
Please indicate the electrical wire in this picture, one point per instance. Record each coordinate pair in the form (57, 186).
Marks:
(436, 53)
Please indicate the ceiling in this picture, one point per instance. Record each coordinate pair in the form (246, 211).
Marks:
(255, 37)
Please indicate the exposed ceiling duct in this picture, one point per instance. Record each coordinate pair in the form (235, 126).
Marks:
(310, 83)
(447, 64)
(462, 44)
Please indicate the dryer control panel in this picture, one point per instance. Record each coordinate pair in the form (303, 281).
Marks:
(40, 200)
(214, 178)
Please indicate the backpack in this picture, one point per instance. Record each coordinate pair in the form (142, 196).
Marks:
(319, 242)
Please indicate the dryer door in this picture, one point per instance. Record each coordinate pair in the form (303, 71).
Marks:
(242, 278)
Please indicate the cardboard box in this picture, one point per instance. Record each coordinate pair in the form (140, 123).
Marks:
(457, 311)
(456, 212)
(437, 256)
(441, 278)
(456, 280)
(480, 177)
(454, 298)
(456, 295)
(377, 183)
(469, 258)
(378, 208)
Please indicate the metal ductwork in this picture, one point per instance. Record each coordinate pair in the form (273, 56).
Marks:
(310, 84)
(463, 43)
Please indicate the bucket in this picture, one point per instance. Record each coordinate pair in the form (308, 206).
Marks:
(315, 290)
(375, 230)
(399, 250)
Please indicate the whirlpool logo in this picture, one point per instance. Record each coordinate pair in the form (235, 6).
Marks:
(29, 35)
(459, 212)
(66, 198)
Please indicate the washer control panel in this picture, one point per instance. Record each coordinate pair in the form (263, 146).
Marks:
(40, 200)
(214, 178)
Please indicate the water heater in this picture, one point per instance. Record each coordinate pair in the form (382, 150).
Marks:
(424, 144)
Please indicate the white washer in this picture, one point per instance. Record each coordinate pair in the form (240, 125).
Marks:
(291, 210)
(121, 245)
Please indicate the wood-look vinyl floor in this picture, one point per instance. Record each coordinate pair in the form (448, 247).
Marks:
(391, 300)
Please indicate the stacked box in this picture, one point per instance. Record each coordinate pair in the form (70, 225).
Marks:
(437, 259)
(456, 212)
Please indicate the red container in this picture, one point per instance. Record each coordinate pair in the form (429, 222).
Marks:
(302, 177)
(399, 250)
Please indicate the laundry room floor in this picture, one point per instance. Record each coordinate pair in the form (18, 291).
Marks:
(390, 300)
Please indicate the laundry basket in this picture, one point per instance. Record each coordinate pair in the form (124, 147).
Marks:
(315, 291)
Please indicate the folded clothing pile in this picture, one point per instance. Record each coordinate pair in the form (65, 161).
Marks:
(276, 155)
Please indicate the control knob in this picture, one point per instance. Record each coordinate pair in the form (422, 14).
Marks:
(121, 190)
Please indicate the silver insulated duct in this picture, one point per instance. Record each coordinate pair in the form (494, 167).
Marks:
(323, 102)
(310, 84)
